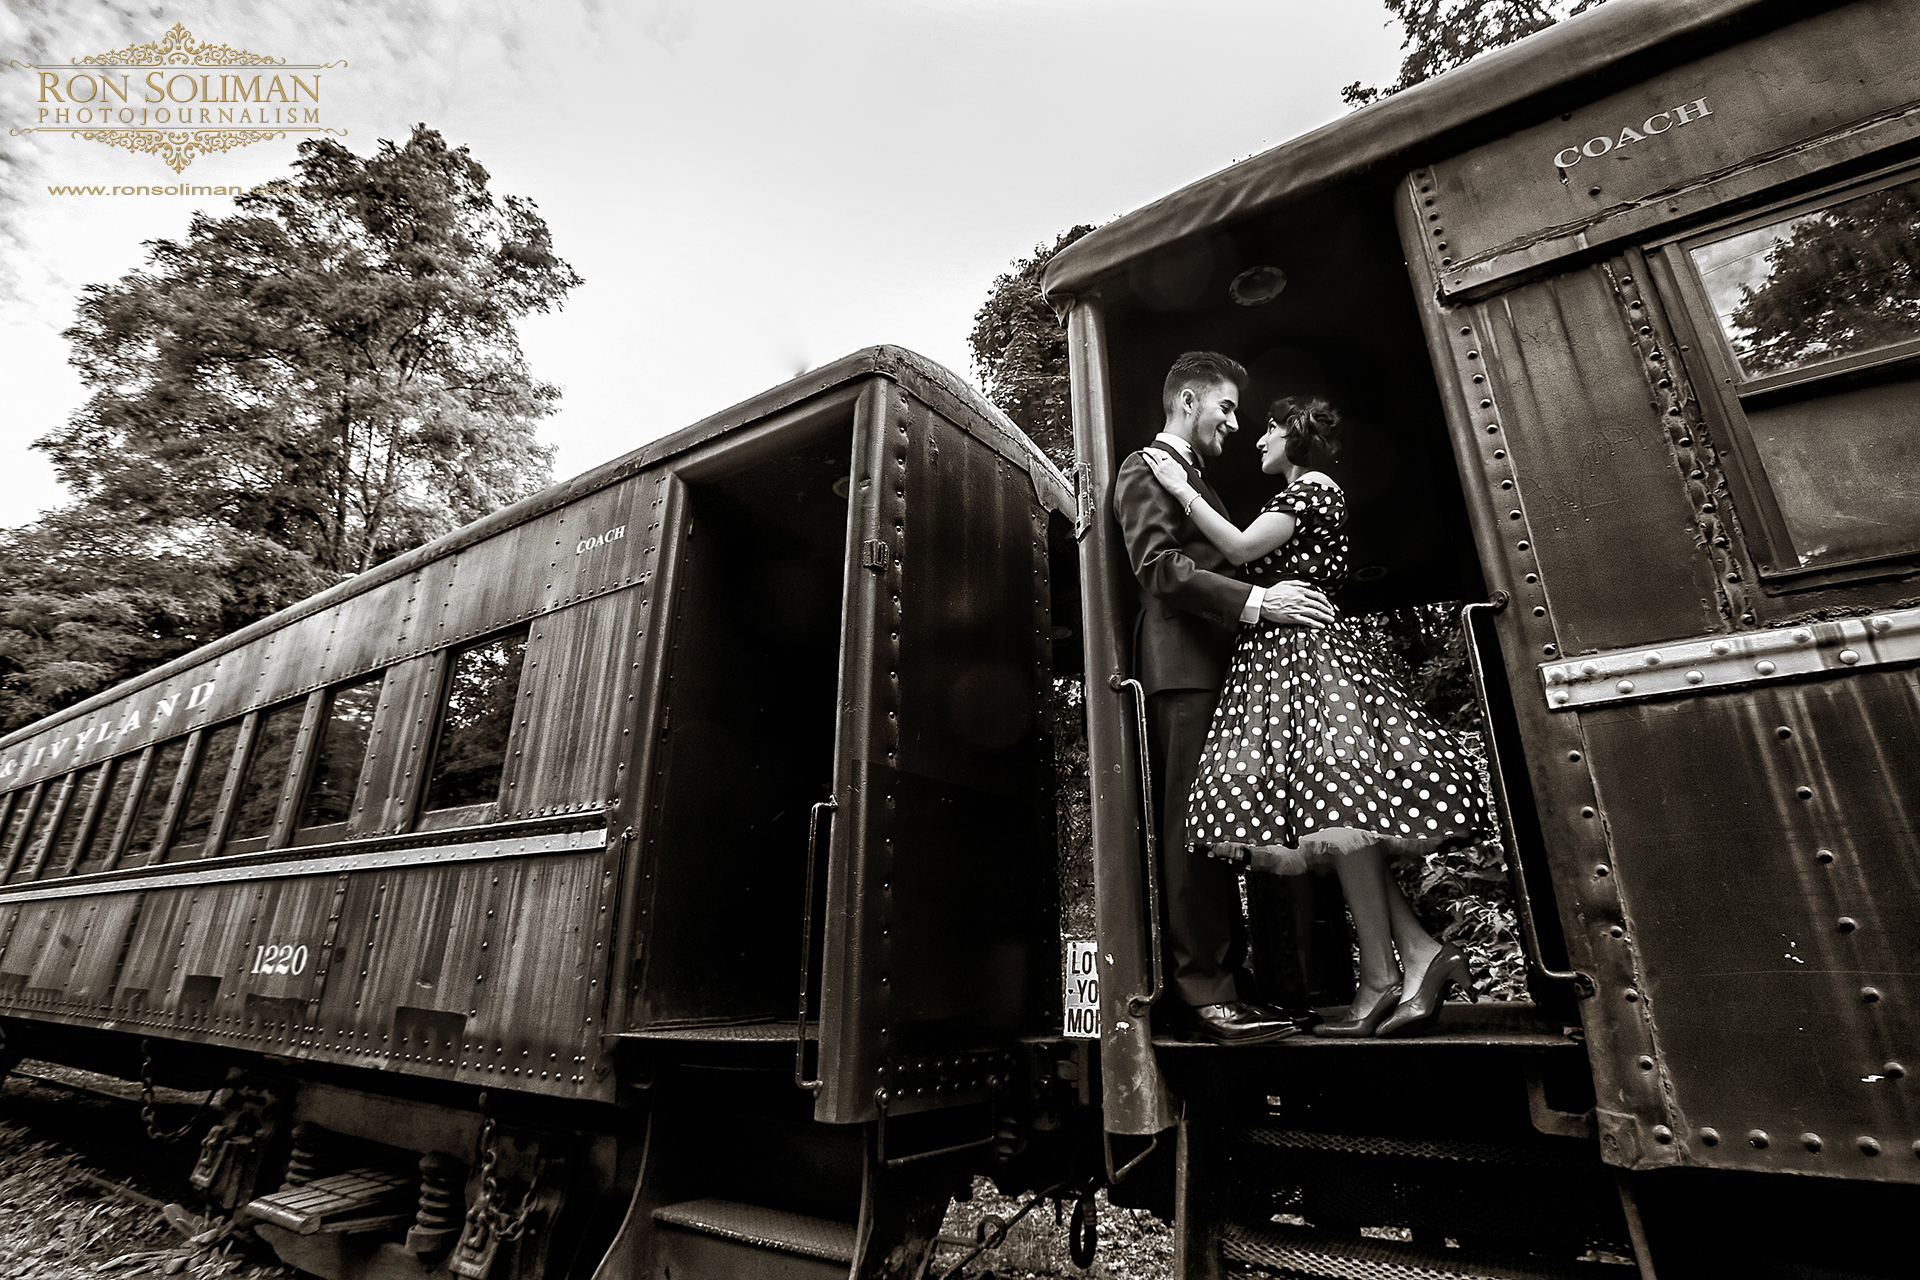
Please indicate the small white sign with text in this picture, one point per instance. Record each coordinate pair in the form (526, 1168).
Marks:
(1081, 1002)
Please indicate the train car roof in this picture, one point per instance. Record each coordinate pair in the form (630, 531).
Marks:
(1570, 62)
(926, 379)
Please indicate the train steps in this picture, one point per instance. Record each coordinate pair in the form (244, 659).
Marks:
(739, 1241)
(1298, 1253)
(1296, 1202)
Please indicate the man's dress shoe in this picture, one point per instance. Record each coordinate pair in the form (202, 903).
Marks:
(1238, 1022)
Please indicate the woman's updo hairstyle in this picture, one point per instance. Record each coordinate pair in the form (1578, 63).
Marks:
(1312, 429)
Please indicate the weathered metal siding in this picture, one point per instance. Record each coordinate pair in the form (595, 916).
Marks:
(1684, 847)
(1595, 485)
(1829, 89)
(579, 695)
(1529, 434)
(969, 676)
(485, 970)
(521, 572)
(1765, 842)
(489, 970)
(941, 836)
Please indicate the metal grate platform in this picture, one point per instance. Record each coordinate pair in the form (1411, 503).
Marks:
(1488, 1024)
(1302, 1254)
(764, 1228)
(1553, 1154)
(763, 1032)
(342, 1197)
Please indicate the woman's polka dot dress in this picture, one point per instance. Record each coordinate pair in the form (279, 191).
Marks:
(1311, 734)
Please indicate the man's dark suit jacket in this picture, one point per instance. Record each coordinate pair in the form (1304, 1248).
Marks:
(1191, 608)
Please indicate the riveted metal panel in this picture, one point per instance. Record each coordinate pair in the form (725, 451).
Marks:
(489, 972)
(149, 974)
(576, 715)
(408, 939)
(1662, 149)
(97, 965)
(1766, 846)
(1500, 435)
(544, 966)
(1595, 484)
(1690, 666)
(395, 769)
(934, 939)
(971, 823)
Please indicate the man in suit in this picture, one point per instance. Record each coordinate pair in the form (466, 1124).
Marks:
(1191, 610)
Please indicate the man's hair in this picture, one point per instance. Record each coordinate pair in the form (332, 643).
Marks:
(1201, 369)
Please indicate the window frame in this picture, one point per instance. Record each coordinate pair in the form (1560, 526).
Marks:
(1722, 390)
(89, 818)
(115, 835)
(307, 760)
(425, 819)
(188, 780)
(292, 780)
(171, 804)
(35, 797)
(23, 871)
(17, 796)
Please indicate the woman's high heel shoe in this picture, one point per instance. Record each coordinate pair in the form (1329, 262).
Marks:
(1357, 1024)
(1448, 968)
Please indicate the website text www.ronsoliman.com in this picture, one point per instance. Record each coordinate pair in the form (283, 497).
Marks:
(179, 189)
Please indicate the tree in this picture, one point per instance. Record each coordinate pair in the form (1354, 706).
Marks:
(1020, 352)
(1439, 35)
(1839, 281)
(287, 397)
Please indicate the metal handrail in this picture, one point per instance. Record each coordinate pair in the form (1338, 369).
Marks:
(1522, 901)
(1139, 1004)
(806, 949)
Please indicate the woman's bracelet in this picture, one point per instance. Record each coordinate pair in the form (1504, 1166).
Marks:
(1188, 509)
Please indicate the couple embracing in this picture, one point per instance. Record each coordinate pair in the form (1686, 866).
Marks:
(1278, 741)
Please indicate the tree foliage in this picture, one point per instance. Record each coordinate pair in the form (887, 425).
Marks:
(1439, 35)
(1020, 352)
(284, 398)
(1842, 280)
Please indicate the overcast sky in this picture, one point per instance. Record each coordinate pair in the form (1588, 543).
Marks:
(750, 188)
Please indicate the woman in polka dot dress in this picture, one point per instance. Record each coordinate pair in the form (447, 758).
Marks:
(1315, 756)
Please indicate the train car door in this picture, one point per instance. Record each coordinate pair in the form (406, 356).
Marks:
(940, 943)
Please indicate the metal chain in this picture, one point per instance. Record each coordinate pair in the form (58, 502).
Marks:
(147, 1114)
(485, 1217)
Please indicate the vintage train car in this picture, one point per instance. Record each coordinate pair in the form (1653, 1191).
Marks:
(1625, 321)
(509, 888)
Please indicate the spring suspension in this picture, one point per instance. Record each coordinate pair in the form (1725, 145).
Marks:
(303, 1163)
(436, 1221)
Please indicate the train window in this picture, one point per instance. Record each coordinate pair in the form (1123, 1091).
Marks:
(33, 849)
(210, 767)
(264, 783)
(63, 850)
(1809, 317)
(482, 683)
(18, 823)
(13, 816)
(119, 779)
(340, 754)
(145, 832)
